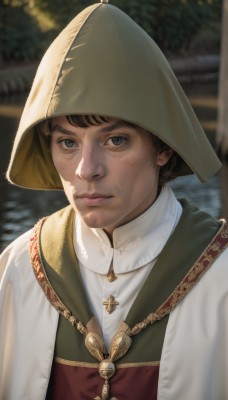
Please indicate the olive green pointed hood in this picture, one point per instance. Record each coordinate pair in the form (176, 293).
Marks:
(104, 63)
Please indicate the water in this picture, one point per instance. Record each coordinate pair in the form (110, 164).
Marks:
(21, 208)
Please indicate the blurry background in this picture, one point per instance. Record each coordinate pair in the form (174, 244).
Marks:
(192, 34)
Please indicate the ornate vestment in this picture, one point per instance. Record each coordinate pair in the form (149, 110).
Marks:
(174, 358)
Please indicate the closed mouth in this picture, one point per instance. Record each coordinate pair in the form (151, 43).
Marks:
(93, 196)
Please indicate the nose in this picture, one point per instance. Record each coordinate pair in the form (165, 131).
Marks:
(90, 165)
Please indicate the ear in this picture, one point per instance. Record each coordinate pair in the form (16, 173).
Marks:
(163, 156)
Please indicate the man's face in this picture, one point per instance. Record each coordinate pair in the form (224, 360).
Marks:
(109, 172)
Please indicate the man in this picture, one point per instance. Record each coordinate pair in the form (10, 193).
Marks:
(123, 294)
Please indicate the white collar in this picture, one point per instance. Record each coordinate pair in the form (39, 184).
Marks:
(134, 244)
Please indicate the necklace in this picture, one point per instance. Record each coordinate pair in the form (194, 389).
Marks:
(122, 340)
(120, 344)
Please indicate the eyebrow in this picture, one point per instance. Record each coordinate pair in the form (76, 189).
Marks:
(117, 125)
(59, 128)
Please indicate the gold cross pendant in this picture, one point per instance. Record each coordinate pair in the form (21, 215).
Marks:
(110, 304)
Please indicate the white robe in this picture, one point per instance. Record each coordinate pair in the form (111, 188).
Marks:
(194, 361)
(133, 254)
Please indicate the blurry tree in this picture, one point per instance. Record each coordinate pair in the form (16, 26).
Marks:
(61, 12)
(222, 131)
(19, 33)
(174, 24)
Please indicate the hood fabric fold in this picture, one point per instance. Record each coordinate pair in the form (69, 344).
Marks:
(103, 63)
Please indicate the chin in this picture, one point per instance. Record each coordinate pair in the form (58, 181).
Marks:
(93, 222)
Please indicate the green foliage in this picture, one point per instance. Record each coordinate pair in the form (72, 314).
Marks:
(174, 24)
(61, 12)
(19, 34)
(142, 12)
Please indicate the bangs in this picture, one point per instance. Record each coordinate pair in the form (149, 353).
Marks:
(84, 121)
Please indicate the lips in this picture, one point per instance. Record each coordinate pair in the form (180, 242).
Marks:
(92, 195)
(93, 199)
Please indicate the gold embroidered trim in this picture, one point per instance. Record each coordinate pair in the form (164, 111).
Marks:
(71, 363)
(212, 251)
(44, 282)
(139, 364)
(121, 341)
(62, 361)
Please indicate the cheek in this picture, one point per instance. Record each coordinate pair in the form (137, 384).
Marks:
(141, 164)
(55, 156)
(64, 167)
(137, 175)
(69, 190)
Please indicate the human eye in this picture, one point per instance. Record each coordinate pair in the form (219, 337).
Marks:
(117, 141)
(67, 143)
